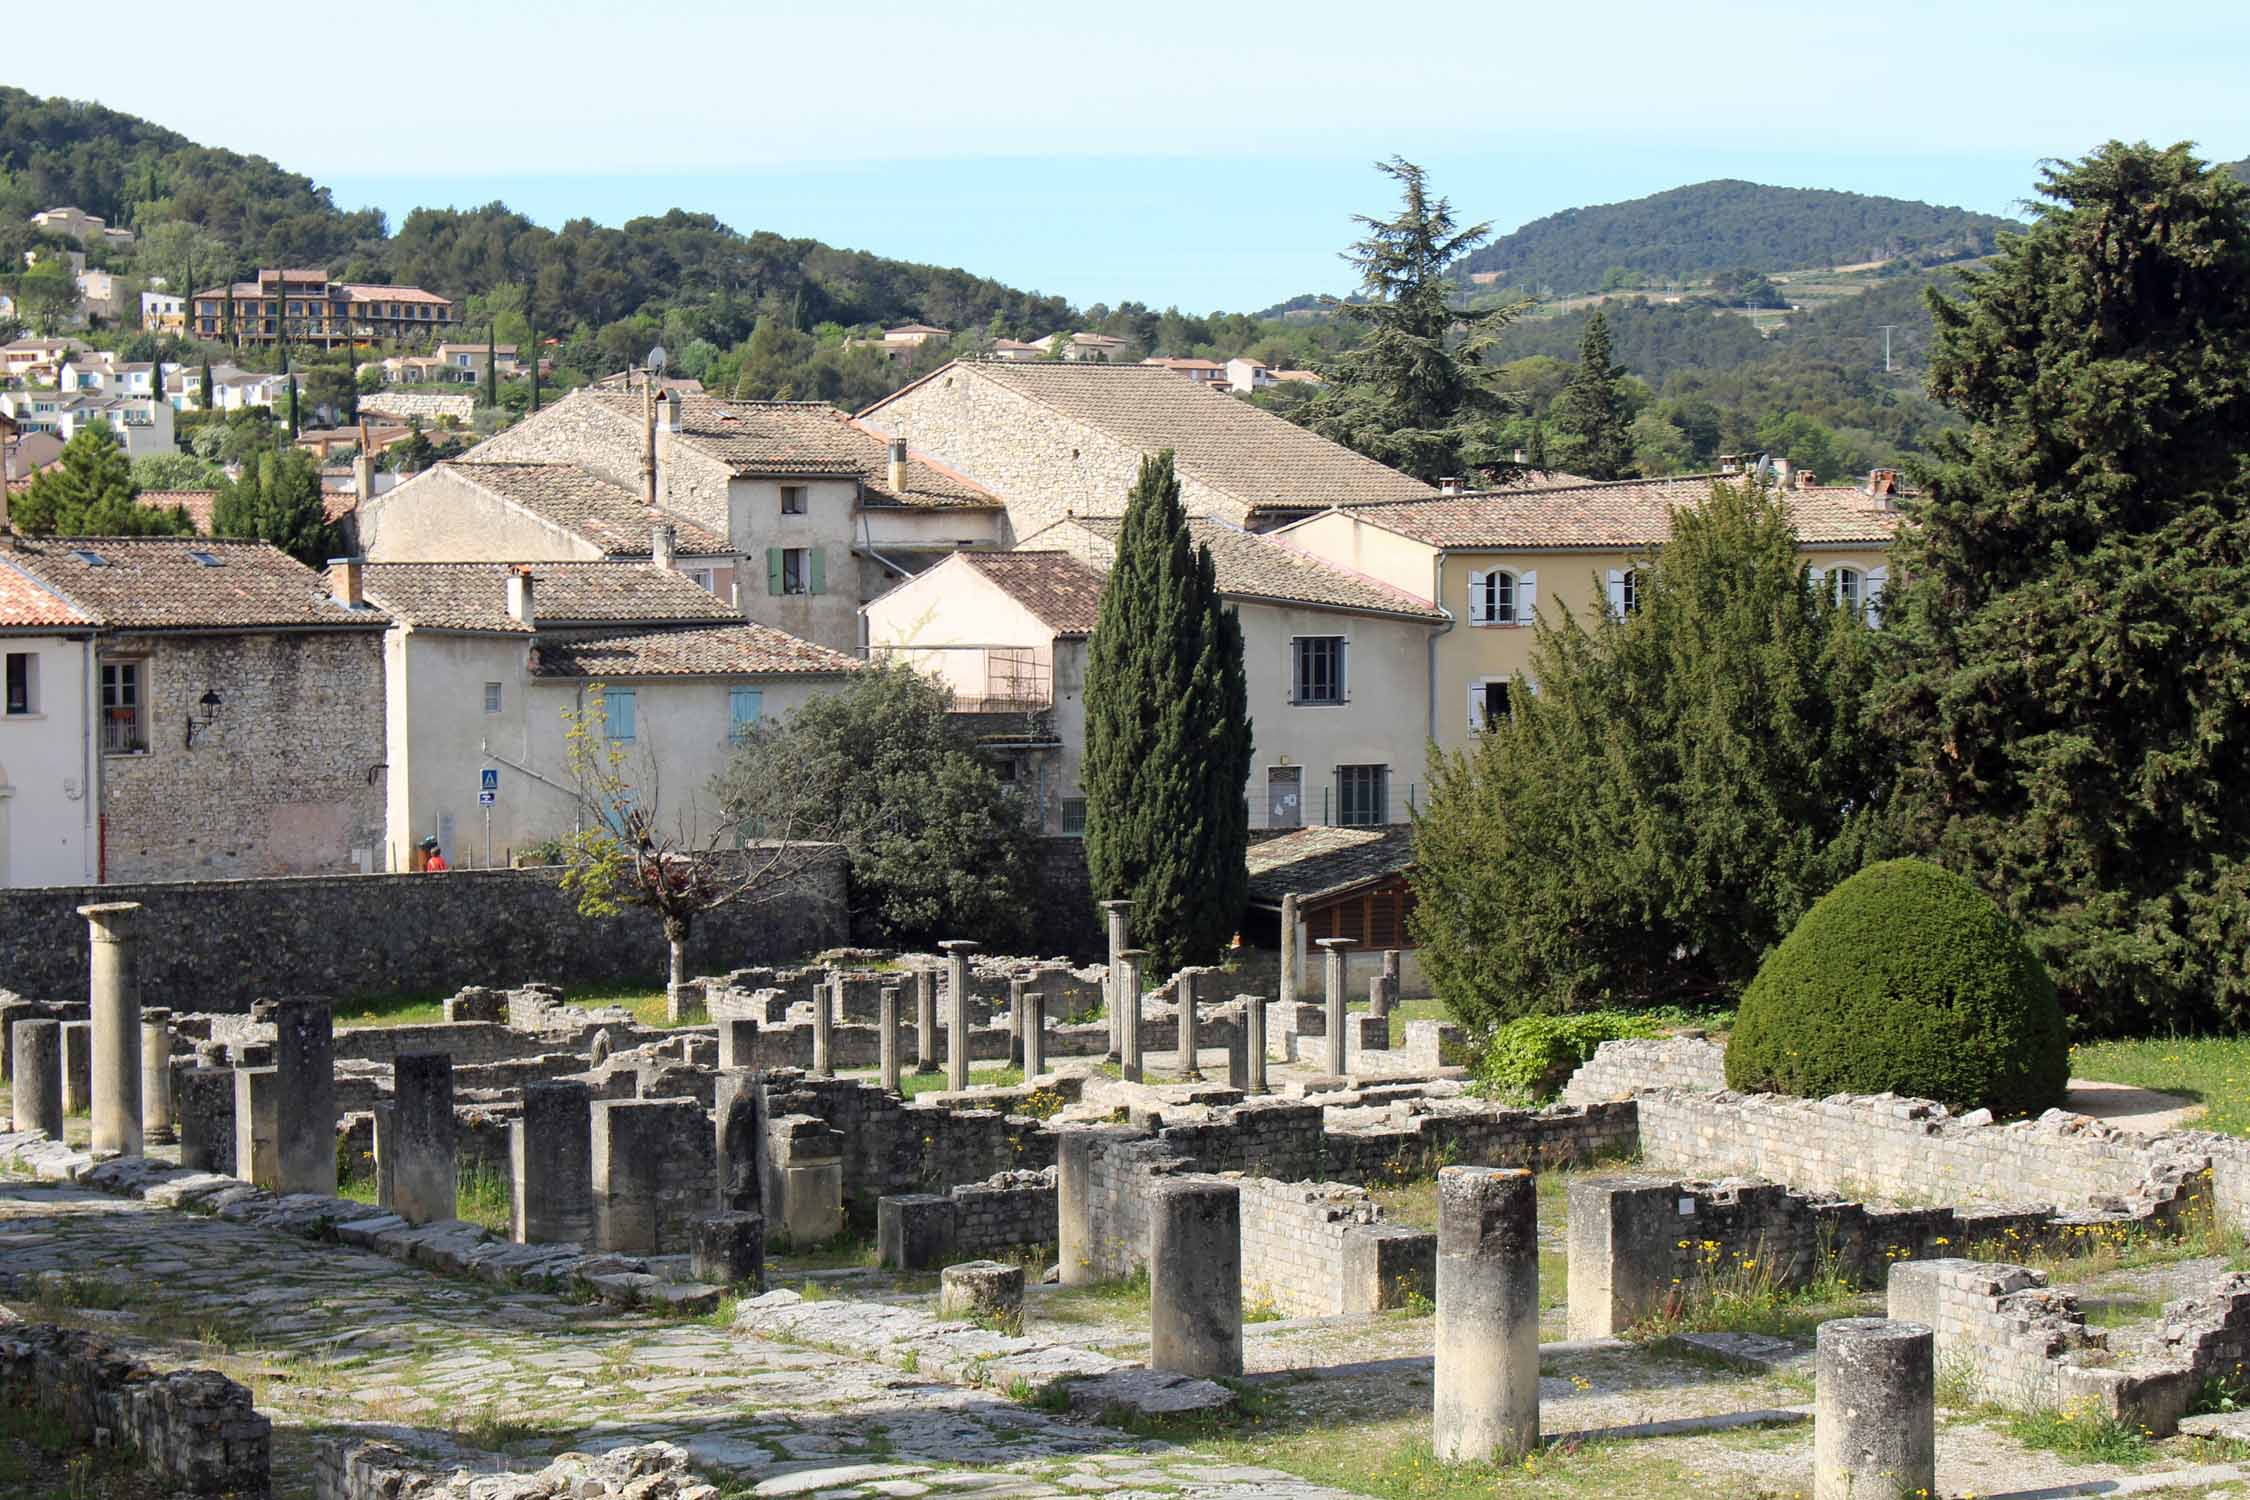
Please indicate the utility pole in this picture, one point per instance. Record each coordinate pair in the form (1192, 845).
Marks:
(1887, 327)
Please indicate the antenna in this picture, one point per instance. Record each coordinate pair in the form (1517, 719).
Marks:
(1887, 327)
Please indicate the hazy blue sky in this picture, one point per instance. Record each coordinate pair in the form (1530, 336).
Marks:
(1205, 154)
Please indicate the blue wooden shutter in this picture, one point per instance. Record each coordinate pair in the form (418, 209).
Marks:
(623, 711)
(773, 570)
(818, 583)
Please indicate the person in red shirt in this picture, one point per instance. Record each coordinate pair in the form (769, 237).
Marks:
(432, 860)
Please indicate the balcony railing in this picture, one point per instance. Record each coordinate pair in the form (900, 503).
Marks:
(984, 679)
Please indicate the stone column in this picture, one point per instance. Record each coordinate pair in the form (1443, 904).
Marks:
(925, 1021)
(738, 1042)
(826, 996)
(956, 1012)
(1015, 1021)
(1486, 1404)
(1034, 1034)
(39, 1076)
(1339, 1051)
(986, 1292)
(739, 1101)
(304, 1056)
(77, 1067)
(116, 1019)
(1187, 1063)
(1254, 1043)
(1391, 957)
(1380, 996)
(1120, 938)
(1075, 1147)
(1874, 1411)
(1289, 948)
(1195, 1277)
(886, 1025)
(550, 1155)
(257, 1127)
(418, 1155)
(160, 1118)
(1128, 1011)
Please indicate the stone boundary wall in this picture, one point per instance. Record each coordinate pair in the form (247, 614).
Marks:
(1318, 1249)
(1619, 1070)
(354, 935)
(892, 1147)
(407, 405)
(195, 1428)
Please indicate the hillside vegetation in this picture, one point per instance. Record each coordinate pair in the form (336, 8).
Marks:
(1690, 233)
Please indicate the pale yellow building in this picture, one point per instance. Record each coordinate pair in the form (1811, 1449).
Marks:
(1497, 561)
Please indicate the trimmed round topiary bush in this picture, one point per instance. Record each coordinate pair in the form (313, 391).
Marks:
(1905, 979)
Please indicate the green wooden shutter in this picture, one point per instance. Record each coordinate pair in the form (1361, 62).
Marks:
(773, 570)
(818, 584)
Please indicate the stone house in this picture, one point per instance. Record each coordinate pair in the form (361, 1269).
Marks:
(1495, 561)
(1057, 438)
(485, 661)
(819, 512)
(180, 708)
(1337, 665)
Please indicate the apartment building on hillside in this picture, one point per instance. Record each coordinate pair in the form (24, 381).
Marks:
(308, 308)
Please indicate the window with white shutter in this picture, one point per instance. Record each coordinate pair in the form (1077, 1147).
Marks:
(1527, 597)
(1477, 615)
(1617, 590)
(1877, 578)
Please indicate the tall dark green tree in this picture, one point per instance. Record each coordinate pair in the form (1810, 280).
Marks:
(1590, 417)
(205, 392)
(91, 494)
(1167, 735)
(277, 499)
(296, 417)
(2070, 676)
(491, 366)
(1415, 393)
(1687, 781)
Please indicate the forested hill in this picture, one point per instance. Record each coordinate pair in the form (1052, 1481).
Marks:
(137, 174)
(2241, 168)
(1690, 232)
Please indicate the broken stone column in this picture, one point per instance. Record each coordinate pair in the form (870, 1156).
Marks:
(1253, 1043)
(956, 1012)
(1034, 1034)
(304, 1056)
(77, 1067)
(38, 1096)
(1119, 939)
(257, 1127)
(1339, 1051)
(925, 1021)
(1379, 997)
(738, 1042)
(1186, 1062)
(1289, 948)
(915, 1231)
(115, 998)
(826, 996)
(1486, 1404)
(730, 1250)
(1195, 1277)
(417, 1151)
(1874, 1410)
(550, 1158)
(1129, 1013)
(983, 1291)
(739, 1106)
(886, 1041)
(1076, 1149)
(1015, 1022)
(159, 1116)
(1391, 960)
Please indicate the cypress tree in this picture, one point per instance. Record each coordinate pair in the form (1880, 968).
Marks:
(491, 366)
(1167, 735)
(2069, 680)
(532, 327)
(293, 427)
(1589, 416)
(206, 392)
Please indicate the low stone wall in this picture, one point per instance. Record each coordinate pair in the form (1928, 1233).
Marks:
(194, 1428)
(407, 405)
(1317, 1249)
(1619, 1070)
(359, 1470)
(1012, 1211)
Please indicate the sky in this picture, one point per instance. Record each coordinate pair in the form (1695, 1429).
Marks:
(1200, 155)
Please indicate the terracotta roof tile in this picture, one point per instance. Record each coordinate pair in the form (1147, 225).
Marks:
(474, 595)
(163, 583)
(1315, 862)
(742, 649)
(1061, 592)
(1253, 565)
(608, 515)
(24, 600)
(1620, 514)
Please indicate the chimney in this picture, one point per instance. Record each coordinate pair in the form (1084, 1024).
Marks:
(520, 598)
(1882, 484)
(668, 412)
(663, 548)
(1783, 471)
(1449, 484)
(1519, 456)
(346, 582)
(1806, 480)
(898, 466)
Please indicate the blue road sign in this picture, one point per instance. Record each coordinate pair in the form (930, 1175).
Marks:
(491, 781)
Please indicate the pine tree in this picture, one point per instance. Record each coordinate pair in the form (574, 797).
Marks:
(1415, 393)
(277, 499)
(1168, 735)
(1590, 414)
(1687, 781)
(2069, 671)
(91, 494)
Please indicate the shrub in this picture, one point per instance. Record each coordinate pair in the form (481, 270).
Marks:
(1904, 979)
(1534, 1056)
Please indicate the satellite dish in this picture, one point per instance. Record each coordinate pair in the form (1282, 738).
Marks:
(657, 359)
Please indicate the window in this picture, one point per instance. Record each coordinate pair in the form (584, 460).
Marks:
(701, 578)
(621, 709)
(492, 697)
(1317, 670)
(795, 570)
(1488, 704)
(792, 499)
(1493, 599)
(23, 682)
(1362, 796)
(1285, 796)
(1074, 817)
(1625, 590)
(1851, 587)
(744, 705)
(124, 713)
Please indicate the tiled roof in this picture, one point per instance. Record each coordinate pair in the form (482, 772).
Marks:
(159, 583)
(1251, 565)
(739, 650)
(1237, 449)
(197, 504)
(474, 595)
(608, 515)
(1060, 591)
(1315, 862)
(363, 291)
(1620, 514)
(24, 600)
(788, 439)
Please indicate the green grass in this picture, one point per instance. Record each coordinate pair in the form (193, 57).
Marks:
(2213, 1070)
(422, 1007)
(2078, 1431)
(1393, 1461)
(1414, 1010)
(480, 1195)
(910, 1084)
